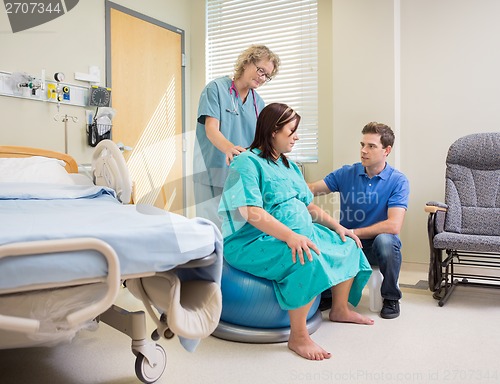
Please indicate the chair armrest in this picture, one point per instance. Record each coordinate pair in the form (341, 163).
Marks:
(434, 206)
(437, 213)
(435, 225)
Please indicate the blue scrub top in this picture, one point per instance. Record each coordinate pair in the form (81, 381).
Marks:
(365, 201)
(237, 122)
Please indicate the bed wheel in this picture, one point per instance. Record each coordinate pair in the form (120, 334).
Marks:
(167, 334)
(155, 335)
(162, 327)
(147, 373)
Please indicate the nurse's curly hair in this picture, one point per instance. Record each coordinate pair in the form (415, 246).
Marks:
(272, 119)
(253, 55)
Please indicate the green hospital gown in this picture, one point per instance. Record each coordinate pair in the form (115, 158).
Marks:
(282, 192)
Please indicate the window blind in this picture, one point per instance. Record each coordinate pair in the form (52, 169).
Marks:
(289, 28)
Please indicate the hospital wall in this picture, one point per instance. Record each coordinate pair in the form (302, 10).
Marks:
(430, 70)
(427, 68)
(68, 44)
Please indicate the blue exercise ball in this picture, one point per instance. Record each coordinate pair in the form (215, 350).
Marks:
(250, 301)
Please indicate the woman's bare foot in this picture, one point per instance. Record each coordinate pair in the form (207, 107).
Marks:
(348, 316)
(303, 346)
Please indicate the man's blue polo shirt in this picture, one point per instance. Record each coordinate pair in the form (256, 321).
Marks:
(365, 201)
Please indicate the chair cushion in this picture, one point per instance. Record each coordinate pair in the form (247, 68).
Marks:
(448, 240)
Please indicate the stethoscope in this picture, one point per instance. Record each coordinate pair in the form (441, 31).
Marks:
(235, 110)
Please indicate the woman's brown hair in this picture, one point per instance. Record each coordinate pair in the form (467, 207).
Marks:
(272, 119)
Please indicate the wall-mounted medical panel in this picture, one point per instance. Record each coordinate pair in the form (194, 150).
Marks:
(36, 87)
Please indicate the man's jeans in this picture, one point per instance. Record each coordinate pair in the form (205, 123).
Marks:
(385, 252)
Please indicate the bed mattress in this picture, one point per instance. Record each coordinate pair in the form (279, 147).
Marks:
(146, 239)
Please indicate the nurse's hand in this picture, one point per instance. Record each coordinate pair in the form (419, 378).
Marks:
(232, 152)
(300, 244)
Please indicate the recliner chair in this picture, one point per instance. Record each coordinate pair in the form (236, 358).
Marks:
(467, 225)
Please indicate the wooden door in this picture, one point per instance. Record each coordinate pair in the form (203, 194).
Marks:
(145, 73)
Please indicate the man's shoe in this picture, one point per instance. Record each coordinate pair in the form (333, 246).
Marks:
(390, 309)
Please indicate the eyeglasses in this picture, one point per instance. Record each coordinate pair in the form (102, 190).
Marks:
(261, 72)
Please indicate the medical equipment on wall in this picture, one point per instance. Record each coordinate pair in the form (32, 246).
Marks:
(99, 126)
(38, 87)
(58, 91)
(21, 81)
(100, 96)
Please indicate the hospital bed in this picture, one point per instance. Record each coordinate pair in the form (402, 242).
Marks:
(69, 243)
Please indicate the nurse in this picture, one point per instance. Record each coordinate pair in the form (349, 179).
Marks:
(273, 230)
(226, 119)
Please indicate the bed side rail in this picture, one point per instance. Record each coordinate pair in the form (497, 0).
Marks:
(26, 325)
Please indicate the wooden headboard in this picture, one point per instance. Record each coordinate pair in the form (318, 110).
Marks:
(15, 151)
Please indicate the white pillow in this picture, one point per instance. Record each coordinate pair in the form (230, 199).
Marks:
(35, 169)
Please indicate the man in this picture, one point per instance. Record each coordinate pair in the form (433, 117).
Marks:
(373, 203)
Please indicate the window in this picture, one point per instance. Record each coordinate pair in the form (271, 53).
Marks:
(290, 29)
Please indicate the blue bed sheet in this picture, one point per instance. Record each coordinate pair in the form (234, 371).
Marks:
(146, 239)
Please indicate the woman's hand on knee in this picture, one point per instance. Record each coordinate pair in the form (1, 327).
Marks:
(300, 244)
(344, 232)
